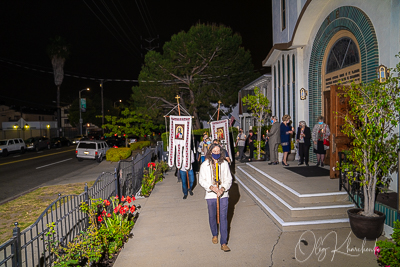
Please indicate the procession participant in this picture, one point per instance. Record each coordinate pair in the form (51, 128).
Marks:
(274, 139)
(215, 177)
(240, 143)
(183, 176)
(218, 142)
(200, 149)
(303, 137)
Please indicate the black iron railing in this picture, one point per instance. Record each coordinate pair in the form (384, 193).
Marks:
(31, 246)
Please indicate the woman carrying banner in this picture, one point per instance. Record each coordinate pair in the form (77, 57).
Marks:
(215, 177)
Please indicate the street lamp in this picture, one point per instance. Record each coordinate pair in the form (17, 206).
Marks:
(117, 101)
(80, 108)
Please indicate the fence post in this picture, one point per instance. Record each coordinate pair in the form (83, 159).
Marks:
(117, 183)
(16, 246)
(87, 202)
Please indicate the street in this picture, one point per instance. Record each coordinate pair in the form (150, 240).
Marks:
(22, 172)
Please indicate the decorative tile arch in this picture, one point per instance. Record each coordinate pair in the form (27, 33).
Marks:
(343, 18)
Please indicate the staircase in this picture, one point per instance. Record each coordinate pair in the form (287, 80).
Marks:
(292, 201)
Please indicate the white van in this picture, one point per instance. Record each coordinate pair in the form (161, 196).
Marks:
(91, 149)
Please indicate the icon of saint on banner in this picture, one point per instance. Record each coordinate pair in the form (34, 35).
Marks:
(179, 130)
(220, 133)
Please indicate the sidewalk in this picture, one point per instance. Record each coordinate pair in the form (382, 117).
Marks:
(171, 231)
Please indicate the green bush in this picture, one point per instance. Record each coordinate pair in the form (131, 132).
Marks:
(116, 154)
(139, 145)
(388, 251)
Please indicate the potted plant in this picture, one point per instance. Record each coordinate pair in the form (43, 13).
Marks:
(370, 123)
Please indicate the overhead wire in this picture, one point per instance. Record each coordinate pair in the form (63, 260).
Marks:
(126, 23)
(147, 14)
(129, 19)
(144, 21)
(119, 25)
(112, 33)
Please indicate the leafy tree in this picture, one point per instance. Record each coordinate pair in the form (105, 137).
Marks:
(372, 124)
(258, 104)
(58, 51)
(202, 66)
(131, 122)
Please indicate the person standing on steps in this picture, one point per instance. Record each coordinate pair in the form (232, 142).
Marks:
(320, 133)
(286, 132)
(250, 140)
(215, 177)
(240, 143)
(274, 139)
(303, 138)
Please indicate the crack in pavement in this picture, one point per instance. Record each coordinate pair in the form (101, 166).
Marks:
(273, 248)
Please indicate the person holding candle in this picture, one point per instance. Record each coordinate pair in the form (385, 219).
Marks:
(320, 133)
(215, 177)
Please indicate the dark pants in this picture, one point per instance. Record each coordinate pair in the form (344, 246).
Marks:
(303, 153)
(251, 151)
(266, 150)
(223, 218)
(184, 181)
(241, 152)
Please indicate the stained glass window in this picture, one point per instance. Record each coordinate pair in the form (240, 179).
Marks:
(344, 53)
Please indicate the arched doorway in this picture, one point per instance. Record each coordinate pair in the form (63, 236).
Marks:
(345, 27)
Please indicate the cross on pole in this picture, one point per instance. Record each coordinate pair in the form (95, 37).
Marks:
(177, 99)
(219, 104)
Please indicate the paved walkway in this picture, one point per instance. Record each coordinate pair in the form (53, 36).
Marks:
(171, 231)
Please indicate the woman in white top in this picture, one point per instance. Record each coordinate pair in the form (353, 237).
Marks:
(216, 168)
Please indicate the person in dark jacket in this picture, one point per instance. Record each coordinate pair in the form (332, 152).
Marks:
(286, 131)
(303, 138)
(250, 140)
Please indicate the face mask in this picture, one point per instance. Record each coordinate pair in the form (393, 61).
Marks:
(208, 142)
(272, 121)
(320, 122)
(215, 156)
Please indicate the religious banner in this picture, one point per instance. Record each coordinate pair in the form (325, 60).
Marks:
(179, 142)
(220, 130)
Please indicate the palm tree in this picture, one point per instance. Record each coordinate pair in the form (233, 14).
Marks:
(58, 51)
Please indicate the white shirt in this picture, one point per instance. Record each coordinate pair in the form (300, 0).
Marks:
(206, 178)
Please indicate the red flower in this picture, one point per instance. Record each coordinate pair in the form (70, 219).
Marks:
(128, 198)
(133, 208)
(122, 198)
(116, 197)
(148, 165)
(103, 213)
(133, 198)
(122, 211)
(100, 219)
(154, 165)
(108, 215)
(106, 202)
(117, 208)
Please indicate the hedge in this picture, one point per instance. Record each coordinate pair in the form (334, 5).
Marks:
(139, 145)
(116, 154)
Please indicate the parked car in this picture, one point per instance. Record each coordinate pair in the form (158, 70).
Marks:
(60, 141)
(91, 149)
(37, 143)
(77, 138)
(12, 145)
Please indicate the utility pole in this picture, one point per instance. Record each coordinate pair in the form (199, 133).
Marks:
(148, 44)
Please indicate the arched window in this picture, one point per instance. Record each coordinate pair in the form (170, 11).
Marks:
(344, 53)
(283, 86)
(279, 89)
(294, 90)
(275, 92)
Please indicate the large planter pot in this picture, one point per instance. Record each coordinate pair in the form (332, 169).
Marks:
(366, 227)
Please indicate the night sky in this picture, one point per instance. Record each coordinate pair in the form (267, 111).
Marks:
(105, 39)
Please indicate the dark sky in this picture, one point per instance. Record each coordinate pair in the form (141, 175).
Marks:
(105, 38)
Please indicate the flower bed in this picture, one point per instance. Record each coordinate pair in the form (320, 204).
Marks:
(151, 176)
(110, 223)
(388, 252)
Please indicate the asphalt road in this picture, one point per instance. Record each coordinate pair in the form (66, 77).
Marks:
(22, 172)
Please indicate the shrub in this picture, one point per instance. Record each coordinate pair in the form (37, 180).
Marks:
(117, 154)
(153, 175)
(388, 252)
(139, 145)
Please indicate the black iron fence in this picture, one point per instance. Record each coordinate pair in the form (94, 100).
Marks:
(30, 247)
